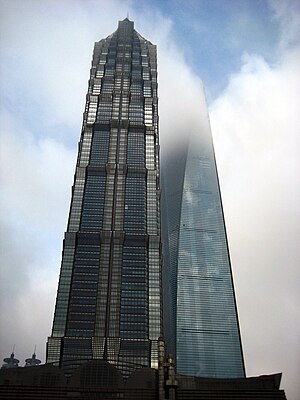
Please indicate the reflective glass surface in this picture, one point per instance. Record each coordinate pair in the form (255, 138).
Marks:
(198, 282)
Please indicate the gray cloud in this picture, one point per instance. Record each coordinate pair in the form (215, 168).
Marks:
(256, 129)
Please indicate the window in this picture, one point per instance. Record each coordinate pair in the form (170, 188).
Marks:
(135, 205)
(93, 203)
(136, 148)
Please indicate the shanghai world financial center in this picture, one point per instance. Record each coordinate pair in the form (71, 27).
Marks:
(145, 254)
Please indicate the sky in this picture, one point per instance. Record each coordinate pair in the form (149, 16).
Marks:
(247, 54)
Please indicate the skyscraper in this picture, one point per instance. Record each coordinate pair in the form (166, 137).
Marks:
(200, 315)
(109, 299)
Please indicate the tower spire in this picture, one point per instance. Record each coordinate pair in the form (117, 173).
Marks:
(10, 362)
(30, 362)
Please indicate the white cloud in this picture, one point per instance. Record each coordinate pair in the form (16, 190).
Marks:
(256, 123)
(35, 174)
(36, 177)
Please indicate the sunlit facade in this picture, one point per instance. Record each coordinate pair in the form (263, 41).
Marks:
(201, 323)
(109, 296)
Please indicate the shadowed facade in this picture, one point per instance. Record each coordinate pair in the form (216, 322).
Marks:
(109, 296)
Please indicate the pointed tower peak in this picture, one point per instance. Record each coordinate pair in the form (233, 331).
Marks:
(10, 362)
(29, 362)
(126, 24)
(127, 19)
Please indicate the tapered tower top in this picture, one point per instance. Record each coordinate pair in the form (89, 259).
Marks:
(126, 24)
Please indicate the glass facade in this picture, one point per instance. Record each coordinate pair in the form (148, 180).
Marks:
(109, 296)
(201, 323)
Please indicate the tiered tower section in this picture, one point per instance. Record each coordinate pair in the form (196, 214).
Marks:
(109, 295)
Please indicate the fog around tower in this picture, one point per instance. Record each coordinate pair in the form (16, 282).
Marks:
(46, 50)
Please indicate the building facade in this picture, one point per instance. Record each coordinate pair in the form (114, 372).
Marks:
(109, 299)
(201, 322)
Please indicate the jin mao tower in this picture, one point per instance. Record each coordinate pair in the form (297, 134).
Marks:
(109, 301)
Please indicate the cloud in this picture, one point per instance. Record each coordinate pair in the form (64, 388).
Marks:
(255, 123)
(36, 177)
(288, 15)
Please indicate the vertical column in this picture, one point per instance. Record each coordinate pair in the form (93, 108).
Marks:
(61, 308)
(115, 286)
(85, 147)
(109, 193)
(77, 198)
(103, 281)
(152, 221)
(155, 306)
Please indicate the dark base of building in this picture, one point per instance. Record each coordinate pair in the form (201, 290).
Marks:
(101, 380)
(42, 393)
